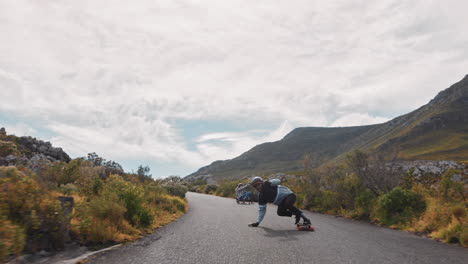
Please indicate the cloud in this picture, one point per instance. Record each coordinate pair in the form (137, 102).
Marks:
(229, 145)
(116, 76)
(21, 129)
(357, 119)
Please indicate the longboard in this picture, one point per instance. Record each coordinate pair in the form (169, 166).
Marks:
(306, 227)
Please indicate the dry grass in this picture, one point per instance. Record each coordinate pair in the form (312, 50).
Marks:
(444, 221)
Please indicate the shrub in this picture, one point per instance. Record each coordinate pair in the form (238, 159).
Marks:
(28, 206)
(227, 189)
(196, 188)
(308, 200)
(145, 217)
(68, 189)
(450, 190)
(8, 148)
(12, 238)
(101, 220)
(102, 208)
(399, 206)
(210, 188)
(164, 202)
(364, 204)
(445, 221)
(179, 204)
(176, 190)
(327, 201)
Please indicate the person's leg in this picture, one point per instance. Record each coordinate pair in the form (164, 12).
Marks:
(284, 208)
(288, 204)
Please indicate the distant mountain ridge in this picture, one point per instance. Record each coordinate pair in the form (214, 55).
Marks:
(435, 131)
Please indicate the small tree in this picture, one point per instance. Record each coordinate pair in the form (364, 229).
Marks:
(143, 173)
(95, 159)
(376, 173)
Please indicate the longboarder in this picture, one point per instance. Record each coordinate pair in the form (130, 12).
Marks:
(271, 192)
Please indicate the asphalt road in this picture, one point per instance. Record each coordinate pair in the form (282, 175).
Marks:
(215, 230)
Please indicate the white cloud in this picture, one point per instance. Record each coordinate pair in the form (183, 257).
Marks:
(229, 145)
(21, 129)
(357, 119)
(112, 76)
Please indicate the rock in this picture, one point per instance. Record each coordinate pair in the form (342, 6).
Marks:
(42, 149)
(11, 158)
(434, 167)
(67, 203)
(456, 178)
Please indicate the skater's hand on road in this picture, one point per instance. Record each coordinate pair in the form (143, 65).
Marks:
(254, 224)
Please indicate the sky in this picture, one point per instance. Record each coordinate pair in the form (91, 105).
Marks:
(178, 84)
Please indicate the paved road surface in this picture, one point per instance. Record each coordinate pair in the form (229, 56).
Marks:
(215, 230)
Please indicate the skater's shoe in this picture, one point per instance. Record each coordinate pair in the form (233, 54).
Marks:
(306, 221)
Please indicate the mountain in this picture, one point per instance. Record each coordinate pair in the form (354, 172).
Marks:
(435, 131)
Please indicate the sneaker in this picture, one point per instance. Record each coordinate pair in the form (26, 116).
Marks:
(306, 221)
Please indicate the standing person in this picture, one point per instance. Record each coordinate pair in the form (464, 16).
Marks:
(271, 192)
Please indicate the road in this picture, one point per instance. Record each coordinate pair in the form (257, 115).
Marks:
(215, 230)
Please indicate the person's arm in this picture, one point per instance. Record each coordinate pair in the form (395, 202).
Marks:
(244, 187)
(261, 212)
(261, 215)
(262, 205)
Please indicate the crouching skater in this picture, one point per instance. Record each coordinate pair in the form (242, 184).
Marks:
(271, 192)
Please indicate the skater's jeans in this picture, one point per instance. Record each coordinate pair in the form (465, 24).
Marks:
(286, 207)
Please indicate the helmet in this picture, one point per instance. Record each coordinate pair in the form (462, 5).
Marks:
(256, 179)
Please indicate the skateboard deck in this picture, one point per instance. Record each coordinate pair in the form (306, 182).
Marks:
(305, 227)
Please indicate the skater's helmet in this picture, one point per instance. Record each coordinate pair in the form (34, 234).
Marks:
(256, 179)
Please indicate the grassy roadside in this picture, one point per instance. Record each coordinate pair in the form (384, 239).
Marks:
(90, 207)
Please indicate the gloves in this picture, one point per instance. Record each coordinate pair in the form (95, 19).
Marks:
(254, 224)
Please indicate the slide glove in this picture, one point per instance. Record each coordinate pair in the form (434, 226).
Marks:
(254, 224)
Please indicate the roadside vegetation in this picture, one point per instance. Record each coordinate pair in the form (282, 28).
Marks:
(89, 200)
(369, 187)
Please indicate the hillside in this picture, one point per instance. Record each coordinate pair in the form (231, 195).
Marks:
(27, 151)
(437, 130)
(50, 202)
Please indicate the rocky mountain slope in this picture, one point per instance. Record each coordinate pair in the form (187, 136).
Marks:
(27, 151)
(435, 131)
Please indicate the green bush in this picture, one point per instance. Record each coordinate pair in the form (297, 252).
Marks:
(399, 206)
(8, 148)
(25, 204)
(146, 218)
(130, 196)
(178, 204)
(176, 190)
(364, 204)
(12, 238)
(327, 201)
(196, 188)
(210, 188)
(308, 200)
(227, 189)
(450, 190)
(106, 209)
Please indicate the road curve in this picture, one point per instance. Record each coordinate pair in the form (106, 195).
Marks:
(215, 230)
